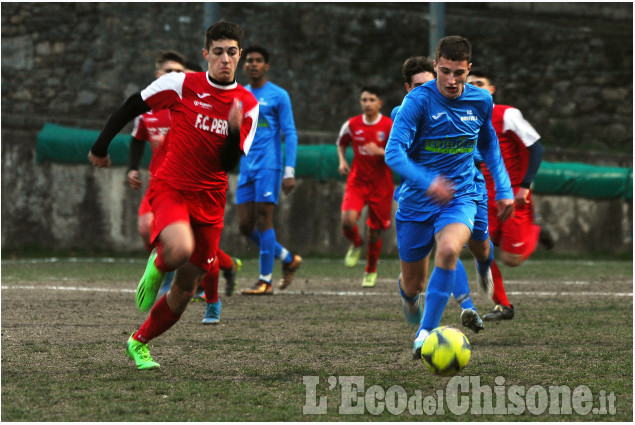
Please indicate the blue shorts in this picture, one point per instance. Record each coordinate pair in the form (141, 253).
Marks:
(415, 239)
(481, 229)
(258, 186)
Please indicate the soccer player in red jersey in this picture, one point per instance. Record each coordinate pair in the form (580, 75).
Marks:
(522, 153)
(153, 127)
(369, 180)
(213, 122)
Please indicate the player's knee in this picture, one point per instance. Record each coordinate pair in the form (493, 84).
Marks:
(511, 260)
(446, 256)
(175, 255)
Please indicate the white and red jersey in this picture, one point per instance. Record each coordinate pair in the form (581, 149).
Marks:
(153, 127)
(515, 135)
(366, 168)
(199, 111)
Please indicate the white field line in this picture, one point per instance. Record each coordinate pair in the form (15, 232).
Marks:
(319, 260)
(326, 292)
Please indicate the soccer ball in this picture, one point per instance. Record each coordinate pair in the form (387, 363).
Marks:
(446, 351)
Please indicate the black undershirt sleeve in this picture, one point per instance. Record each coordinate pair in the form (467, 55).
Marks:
(132, 107)
(136, 153)
(536, 151)
(230, 154)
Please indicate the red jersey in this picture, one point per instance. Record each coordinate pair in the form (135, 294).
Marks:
(515, 135)
(199, 111)
(366, 168)
(153, 127)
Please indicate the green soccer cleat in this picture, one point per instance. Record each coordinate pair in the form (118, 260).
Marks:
(352, 256)
(369, 280)
(149, 284)
(138, 351)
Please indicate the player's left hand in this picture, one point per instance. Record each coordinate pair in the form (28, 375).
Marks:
(288, 184)
(505, 209)
(522, 197)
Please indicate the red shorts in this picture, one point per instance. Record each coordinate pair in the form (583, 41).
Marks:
(517, 235)
(379, 201)
(144, 206)
(203, 210)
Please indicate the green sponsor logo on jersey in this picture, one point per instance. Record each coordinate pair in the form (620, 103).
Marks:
(262, 122)
(452, 146)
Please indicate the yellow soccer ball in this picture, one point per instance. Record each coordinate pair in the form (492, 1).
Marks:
(446, 351)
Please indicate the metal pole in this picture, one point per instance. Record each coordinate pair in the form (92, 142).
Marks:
(210, 14)
(437, 26)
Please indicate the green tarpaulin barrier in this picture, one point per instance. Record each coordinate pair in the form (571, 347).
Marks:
(68, 145)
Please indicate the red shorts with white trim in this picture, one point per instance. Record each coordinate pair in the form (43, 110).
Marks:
(379, 201)
(518, 235)
(202, 210)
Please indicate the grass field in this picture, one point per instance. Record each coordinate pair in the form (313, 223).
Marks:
(65, 322)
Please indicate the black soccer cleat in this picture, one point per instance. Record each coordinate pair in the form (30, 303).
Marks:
(500, 312)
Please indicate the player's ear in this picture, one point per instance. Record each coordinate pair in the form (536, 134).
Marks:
(492, 89)
(206, 54)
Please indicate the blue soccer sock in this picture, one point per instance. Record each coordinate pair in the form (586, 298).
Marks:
(461, 289)
(267, 249)
(437, 296)
(283, 254)
(484, 265)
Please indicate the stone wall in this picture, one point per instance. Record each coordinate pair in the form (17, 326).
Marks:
(568, 67)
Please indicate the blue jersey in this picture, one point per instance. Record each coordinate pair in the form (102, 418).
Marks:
(275, 118)
(433, 135)
(393, 114)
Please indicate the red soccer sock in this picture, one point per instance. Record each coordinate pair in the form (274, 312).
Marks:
(210, 284)
(499, 296)
(159, 261)
(225, 262)
(353, 236)
(161, 319)
(374, 249)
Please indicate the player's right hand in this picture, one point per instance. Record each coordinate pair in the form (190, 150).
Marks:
(99, 161)
(133, 179)
(236, 115)
(344, 169)
(441, 190)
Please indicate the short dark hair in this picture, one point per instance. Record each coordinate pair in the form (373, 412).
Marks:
(168, 55)
(254, 48)
(454, 48)
(193, 66)
(416, 65)
(223, 30)
(482, 72)
(371, 89)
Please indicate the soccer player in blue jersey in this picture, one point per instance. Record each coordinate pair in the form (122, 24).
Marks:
(418, 70)
(432, 143)
(262, 174)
